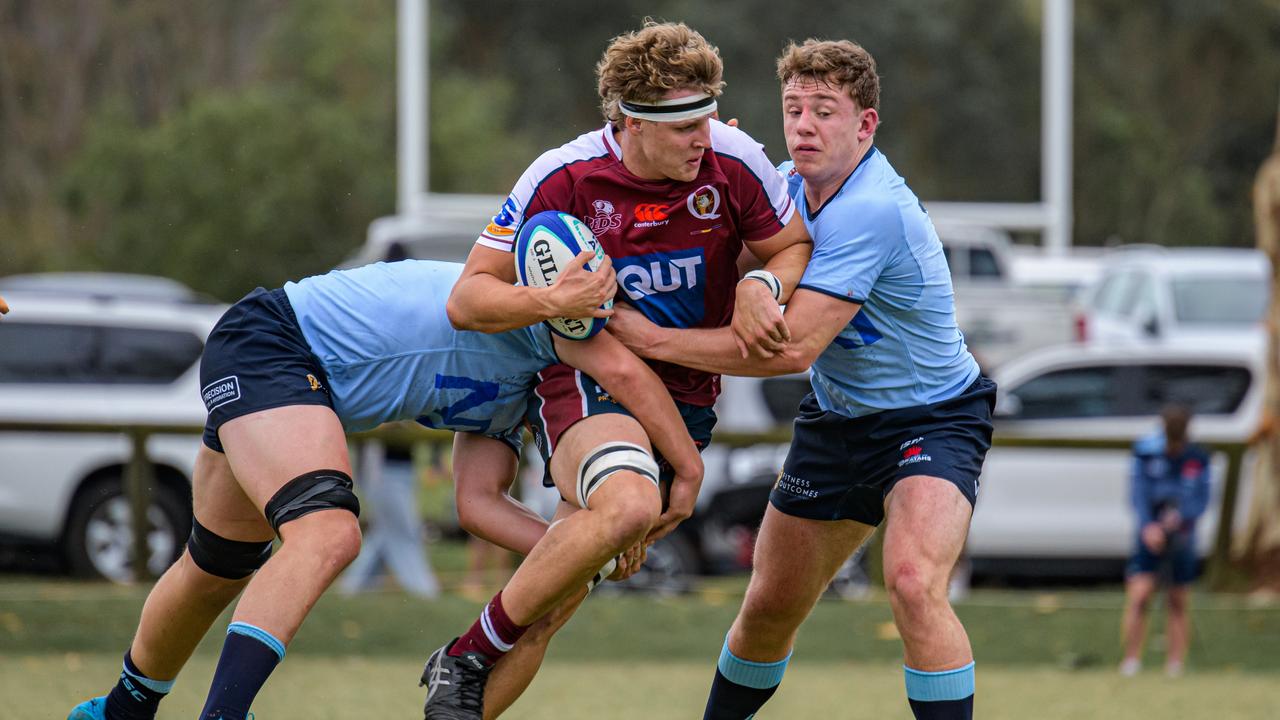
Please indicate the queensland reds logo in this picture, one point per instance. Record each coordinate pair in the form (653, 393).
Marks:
(605, 220)
(704, 203)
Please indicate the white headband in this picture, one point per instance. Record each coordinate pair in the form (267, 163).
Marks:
(673, 110)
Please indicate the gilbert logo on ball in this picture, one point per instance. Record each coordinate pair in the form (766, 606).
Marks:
(546, 245)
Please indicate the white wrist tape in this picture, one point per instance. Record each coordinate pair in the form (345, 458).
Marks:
(770, 281)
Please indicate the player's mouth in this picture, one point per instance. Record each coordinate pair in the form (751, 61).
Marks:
(805, 149)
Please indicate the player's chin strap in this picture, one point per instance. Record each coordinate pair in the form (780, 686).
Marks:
(601, 463)
(673, 110)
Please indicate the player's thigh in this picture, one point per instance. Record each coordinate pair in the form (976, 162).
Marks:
(926, 523)
(220, 504)
(589, 436)
(796, 558)
(268, 449)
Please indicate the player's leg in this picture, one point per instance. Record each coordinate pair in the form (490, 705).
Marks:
(229, 542)
(795, 559)
(1139, 588)
(603, 463)
(1177, 629)
(927, 519)
(292, 464)
(513, 673)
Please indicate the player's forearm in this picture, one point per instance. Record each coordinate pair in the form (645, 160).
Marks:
(788, 266)
(502, 520)
(714, 351)
(486, 304)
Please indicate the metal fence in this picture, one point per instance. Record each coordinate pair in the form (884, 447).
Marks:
(139, 476)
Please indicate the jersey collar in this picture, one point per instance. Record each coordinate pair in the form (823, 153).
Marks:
(813, 214)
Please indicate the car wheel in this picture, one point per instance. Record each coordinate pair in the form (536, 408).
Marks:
(99, 538)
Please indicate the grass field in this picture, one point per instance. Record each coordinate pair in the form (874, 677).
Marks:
(1040, 656)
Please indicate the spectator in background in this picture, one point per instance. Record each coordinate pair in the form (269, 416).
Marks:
(1170, 489)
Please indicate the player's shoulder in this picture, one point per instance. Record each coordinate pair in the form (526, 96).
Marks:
(732, 142)
(586, 148)
(852, 208)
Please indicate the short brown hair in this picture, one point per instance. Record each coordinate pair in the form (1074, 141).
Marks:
(641, 66)
(839, 63)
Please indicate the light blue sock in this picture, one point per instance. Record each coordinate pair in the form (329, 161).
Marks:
(757, 675)
(942, 695)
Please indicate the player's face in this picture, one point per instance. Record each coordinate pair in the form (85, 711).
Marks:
(823, 127)
(674, 150)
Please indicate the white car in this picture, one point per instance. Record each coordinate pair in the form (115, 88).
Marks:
(1047, 510)
(1149, 293)
(114, 350)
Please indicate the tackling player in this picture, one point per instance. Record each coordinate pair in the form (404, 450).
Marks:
(285, 374)
(673, 196)
(899, 420)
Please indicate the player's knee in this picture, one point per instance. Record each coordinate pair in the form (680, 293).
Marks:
(335, 537)
(1178, 602)
(914, 585)
(632, 509)
(223, 558)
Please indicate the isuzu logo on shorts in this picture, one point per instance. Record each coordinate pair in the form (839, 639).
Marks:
(221, 392)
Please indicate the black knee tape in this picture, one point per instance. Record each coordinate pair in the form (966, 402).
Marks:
(230, 559)
(315, 491)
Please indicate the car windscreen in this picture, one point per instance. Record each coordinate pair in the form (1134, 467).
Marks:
(1224, 300)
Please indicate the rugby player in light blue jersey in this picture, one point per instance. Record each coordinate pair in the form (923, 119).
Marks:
(285, 374)
(898, 423)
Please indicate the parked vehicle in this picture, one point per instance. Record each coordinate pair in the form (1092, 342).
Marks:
(115, 350)
(1066, 511)
(1150, 293)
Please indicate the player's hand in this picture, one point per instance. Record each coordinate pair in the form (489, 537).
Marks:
(579, 292)
(633, 329)
(1171, 520)
(629, 562)
(758, 325)
(684, 493)
(1153, 537)
(4, 306)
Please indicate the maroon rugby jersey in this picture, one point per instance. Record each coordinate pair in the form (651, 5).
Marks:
(674, 244)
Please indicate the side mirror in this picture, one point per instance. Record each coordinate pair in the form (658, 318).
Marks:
(1151, 327)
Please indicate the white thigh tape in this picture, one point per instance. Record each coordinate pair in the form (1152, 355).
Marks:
(609, 458)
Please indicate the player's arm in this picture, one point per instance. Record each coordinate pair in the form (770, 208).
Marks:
(483, 472)
(486, 298)
(758, 322)
(815, 319)
(631, 382)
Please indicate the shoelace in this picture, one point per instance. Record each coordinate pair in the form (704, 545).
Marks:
(471, 689)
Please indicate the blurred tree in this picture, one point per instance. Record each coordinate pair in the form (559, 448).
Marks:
(231, 192)
(1261, 546)
(1169, 126)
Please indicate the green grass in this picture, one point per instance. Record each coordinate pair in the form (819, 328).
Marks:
(1040, 655)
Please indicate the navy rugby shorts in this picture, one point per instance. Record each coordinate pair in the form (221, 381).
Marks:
(256, 359)
(565, 395)
(842, 468)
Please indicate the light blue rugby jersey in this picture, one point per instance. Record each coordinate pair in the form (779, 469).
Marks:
(382, 336)
(874, 244)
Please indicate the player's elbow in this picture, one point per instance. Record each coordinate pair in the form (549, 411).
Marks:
(794, 360)
(460, 316)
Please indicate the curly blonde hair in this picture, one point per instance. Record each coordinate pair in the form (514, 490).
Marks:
(840, 63)
(641, 66)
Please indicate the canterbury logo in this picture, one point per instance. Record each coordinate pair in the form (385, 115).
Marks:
(651, 212)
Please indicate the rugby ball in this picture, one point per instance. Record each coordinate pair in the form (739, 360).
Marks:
(546, 245)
